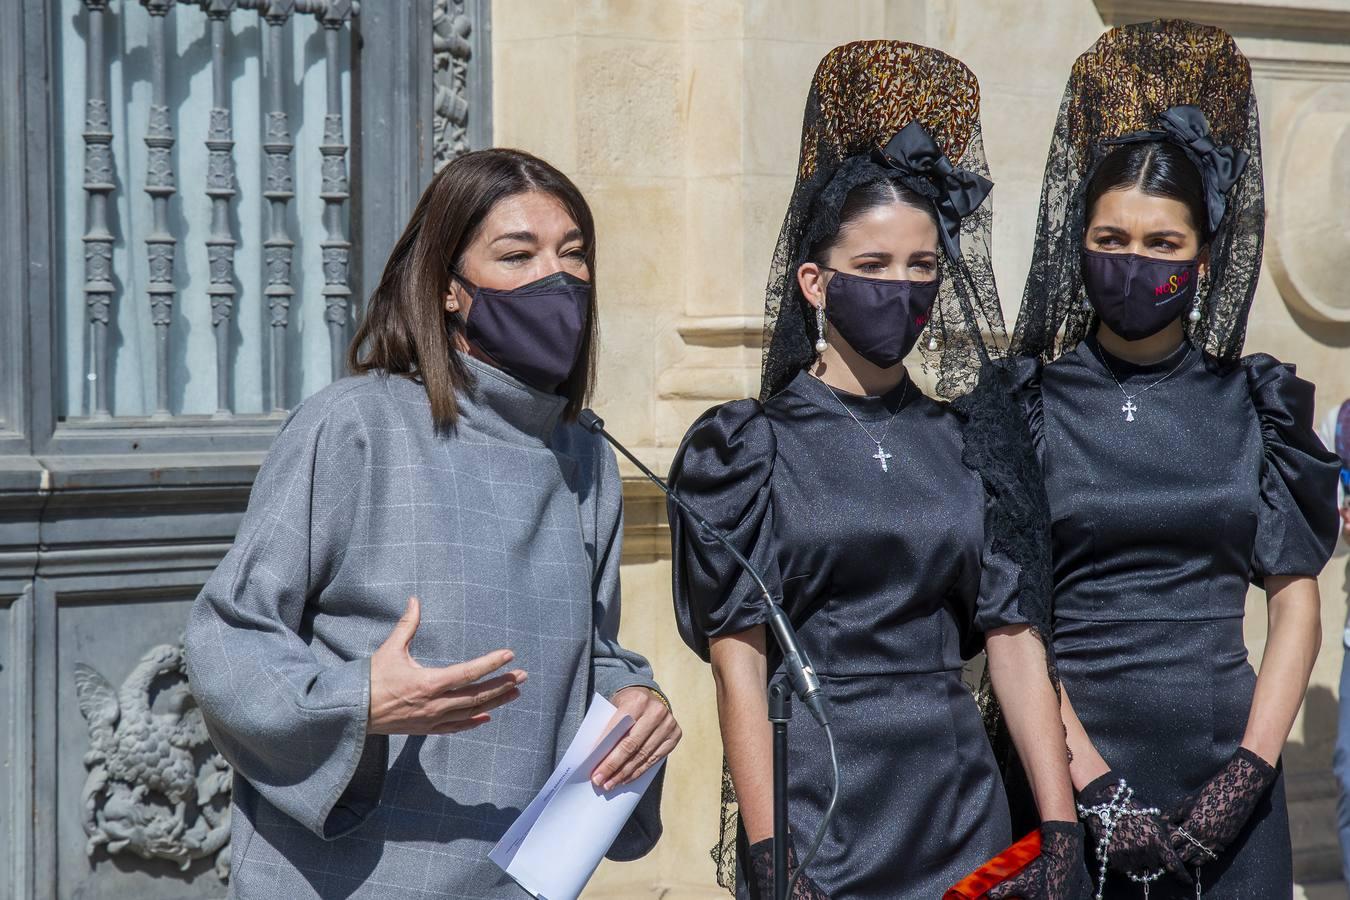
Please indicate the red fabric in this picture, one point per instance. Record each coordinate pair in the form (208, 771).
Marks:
(976, 885)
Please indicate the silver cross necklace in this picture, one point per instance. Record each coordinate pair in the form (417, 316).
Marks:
(881, 455)
(1130, 407)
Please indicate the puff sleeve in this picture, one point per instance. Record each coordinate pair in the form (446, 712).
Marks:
(723, 470)
(998, 602)
(1297, 521)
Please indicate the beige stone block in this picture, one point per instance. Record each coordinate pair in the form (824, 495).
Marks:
(657, 19)
(526, 19)
(777, 78)
(836, 22)
(1026, 44)
(715, 106)
(534, 99)
(629, 111)
(716, 19)
(716, 234)
(766, 201)
(639, 252)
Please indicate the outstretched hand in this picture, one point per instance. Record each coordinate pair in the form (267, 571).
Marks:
(408, 698)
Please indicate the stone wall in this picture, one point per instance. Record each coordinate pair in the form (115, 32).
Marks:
(681, 120)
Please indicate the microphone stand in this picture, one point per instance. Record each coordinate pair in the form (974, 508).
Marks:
(780, 713)
(798, 673)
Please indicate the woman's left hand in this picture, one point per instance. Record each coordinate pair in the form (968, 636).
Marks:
(1059, 873)
(1215, 816)
(653, 735)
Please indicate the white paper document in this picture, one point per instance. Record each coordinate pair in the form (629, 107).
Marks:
(555, 846)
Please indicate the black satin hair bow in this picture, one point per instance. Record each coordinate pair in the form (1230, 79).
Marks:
(956, 193)
(1220, 165)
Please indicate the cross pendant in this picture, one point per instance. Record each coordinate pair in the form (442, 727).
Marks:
(1129, 409)
(881, 456)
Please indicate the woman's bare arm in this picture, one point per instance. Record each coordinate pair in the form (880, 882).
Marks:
(1292, 643)
(1021, 679)
(740, 672)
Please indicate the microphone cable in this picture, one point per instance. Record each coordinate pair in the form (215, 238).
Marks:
(798, 669)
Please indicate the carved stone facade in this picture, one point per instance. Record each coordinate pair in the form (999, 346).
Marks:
(452, 55)
(156, 788)
(460, 64)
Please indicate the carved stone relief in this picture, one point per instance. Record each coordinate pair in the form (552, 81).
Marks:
(452, 53)
(156, 786)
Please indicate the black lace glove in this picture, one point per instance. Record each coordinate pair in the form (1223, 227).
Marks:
(1057, 874)
(1210, 820)
(1138, 843)
(761, 872)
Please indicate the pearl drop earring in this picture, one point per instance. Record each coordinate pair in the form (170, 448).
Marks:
(932, 342)
(821, 346)
(1194, 315)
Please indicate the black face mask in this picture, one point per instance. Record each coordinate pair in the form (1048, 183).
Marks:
(534, 331)
(1138, 296)
(880, 318)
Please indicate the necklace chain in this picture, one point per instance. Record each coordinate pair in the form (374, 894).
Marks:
(1130, 408)
(881, 455)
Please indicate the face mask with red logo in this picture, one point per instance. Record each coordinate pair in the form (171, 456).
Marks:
(879, 317)
(1138, 296)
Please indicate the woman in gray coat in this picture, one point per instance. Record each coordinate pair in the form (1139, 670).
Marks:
(421, 539)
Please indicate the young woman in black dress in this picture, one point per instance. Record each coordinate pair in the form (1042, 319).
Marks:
(1178, 472)
(898, 530)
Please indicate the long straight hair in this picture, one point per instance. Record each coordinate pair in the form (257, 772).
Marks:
(406, 329)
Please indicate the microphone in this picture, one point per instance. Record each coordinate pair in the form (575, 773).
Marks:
(801, 675)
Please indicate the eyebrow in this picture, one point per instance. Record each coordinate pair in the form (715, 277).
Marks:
(1115, 229)
(528, 237)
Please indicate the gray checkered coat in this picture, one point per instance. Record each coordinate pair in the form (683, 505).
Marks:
(509, 531)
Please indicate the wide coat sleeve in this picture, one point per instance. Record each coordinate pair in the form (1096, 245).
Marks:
(1297, 521)
(292, 725)
(614, 667)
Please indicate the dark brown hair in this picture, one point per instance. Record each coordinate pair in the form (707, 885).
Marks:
(406, 330)
(1158, 169)
(860, 201)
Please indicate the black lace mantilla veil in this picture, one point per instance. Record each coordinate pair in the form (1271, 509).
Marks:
(1121, 86)
(862, 96)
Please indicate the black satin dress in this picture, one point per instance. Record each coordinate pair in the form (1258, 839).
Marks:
(888, 579)
(1159, 525)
